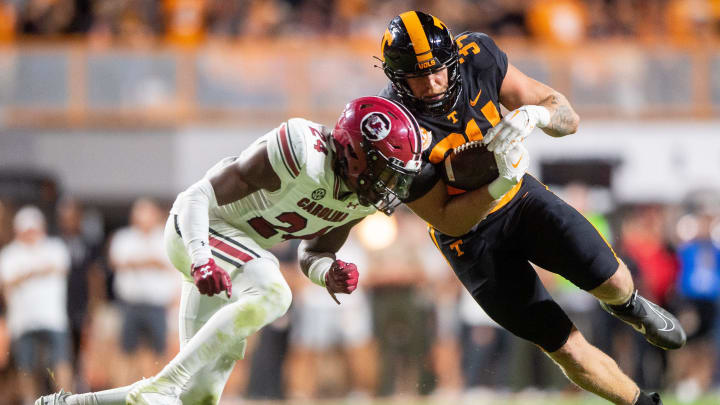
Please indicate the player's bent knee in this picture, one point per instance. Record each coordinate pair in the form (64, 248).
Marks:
(279, 296)
(573, 352)
(271, 286)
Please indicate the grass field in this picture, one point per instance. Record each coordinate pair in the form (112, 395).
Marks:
(493, 399)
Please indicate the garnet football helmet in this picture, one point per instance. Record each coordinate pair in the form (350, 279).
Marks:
(418, 44)
(377, 145)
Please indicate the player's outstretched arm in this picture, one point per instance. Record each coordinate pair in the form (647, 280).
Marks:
(231, 183)
(319, 264)
(519, 90)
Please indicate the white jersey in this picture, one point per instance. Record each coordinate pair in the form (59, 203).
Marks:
(311, 199)
(154, 282)
(34, 278)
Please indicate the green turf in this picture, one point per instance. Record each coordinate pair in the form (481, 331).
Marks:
(520, 399)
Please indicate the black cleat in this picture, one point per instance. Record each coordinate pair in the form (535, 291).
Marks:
(652, 398)
(659, 326)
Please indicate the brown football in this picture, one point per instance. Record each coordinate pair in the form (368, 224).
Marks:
(469, 166)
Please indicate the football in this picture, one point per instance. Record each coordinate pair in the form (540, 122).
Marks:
(469, 166)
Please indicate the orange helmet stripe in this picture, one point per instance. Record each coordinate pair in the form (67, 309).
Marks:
(417, 36)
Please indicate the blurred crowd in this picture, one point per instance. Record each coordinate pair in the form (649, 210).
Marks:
(192, 21)
(87, 304)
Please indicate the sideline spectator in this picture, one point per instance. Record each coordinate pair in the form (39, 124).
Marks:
(319, 325)
(485, 348)
(645, 241)
(699, 291)
(146, 286)
(42, 17)
(8, 21)
(403, 315)
(33, 271)
(184, 21)
(130, 21)
(446, 348)
(558, 21)
(82, 255)
(267, 378)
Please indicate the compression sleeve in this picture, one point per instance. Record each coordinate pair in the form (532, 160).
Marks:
(193, 220)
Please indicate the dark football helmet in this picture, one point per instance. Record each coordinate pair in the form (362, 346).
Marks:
(377, 145)
(418, 44)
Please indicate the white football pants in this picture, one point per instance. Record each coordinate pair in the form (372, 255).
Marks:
(213, 330)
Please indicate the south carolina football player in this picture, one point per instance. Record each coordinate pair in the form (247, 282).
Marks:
(454, 87)
(299, 181)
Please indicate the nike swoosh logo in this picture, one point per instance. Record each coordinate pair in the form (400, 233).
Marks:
(473, 102)
(515, 165)
(669, 324)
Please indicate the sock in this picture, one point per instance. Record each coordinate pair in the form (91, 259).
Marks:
(648, 399)
(626, 307)
(115, 396)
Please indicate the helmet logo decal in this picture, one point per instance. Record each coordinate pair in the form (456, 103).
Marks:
(375, 126)
(426, 64)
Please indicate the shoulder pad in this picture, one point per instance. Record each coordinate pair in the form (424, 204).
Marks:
(480, 49)
(287, 148)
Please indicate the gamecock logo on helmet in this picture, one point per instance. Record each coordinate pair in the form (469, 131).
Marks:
(375, 126)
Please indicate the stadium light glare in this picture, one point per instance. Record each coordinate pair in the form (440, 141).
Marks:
(377, 231)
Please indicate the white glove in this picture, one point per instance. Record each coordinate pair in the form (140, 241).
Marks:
(512, 166)
(515, 127)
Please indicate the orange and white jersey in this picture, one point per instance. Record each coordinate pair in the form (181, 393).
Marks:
(311, 199)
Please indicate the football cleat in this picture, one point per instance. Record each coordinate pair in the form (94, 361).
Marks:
(659, 326)
(652, 398)
(154, 391)
(57, 398)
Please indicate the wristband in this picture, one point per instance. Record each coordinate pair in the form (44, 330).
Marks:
(199, 252)
(318, 269)
(498, 187)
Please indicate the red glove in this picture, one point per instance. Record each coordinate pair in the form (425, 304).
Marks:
(210, 279)
(341, 278)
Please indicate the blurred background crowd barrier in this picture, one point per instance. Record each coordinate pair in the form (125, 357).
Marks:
(110, 105)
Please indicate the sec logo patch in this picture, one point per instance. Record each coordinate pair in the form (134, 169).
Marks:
(318, 194)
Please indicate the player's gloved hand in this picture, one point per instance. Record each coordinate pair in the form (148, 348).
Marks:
(515, 127)
(512, 166)
(341, 278)
(210, 279)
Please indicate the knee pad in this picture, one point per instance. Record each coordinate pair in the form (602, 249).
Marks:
(265, 279)
(278, 296)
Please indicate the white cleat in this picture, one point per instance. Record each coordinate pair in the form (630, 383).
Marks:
(154, 391)
(57, 398)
